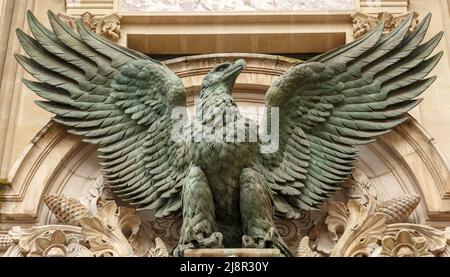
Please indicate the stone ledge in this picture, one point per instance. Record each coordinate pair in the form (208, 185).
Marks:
(232, 252)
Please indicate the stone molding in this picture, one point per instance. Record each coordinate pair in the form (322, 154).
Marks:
(96, 7)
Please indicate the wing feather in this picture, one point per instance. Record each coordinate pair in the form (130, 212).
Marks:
(117, 98)
(340, 99)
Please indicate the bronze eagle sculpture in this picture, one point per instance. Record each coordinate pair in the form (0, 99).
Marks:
(228, 191)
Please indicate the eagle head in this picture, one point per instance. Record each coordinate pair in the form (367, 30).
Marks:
(223, 76)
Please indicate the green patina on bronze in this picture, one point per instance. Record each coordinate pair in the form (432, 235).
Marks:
(228, 192)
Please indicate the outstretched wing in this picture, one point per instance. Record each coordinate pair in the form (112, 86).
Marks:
(330, 104)
(114, 97)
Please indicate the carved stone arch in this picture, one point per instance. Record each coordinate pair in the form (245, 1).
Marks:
(403, 162)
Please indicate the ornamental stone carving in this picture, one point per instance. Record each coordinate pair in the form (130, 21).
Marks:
(364, 227)
(233, 5)
(356, 226)
(403, 244)
(160, 249)
(107, 26)
(363, 23)
(58, 245)
(304, 248)
(399, 208)
(5, 241)
(67, 210)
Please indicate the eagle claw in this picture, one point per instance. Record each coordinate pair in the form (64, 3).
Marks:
(259, 242)
(197, 240)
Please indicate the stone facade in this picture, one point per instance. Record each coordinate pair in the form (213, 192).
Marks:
(53, 192)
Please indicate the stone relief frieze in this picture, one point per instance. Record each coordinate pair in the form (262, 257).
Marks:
(233, 5)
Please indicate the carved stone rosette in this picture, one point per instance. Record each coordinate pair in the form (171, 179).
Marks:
(358, 226)
(107, 26)
(363, 23)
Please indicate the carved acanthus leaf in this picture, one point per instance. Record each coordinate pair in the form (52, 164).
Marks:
(105, 231)
(160, 249)
(361, 233)
(360, 189)
(97, 194)
(337, 219)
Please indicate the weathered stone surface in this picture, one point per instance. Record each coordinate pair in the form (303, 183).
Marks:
(232, 252)
(234, 5)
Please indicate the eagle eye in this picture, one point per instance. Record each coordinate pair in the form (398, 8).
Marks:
(222, 67)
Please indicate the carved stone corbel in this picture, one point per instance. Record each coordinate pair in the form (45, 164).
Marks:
(363, 23)
(107, 26)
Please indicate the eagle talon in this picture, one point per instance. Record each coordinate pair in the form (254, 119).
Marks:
(196, 241)
(248, 242)
(270, 240)
(259, 242)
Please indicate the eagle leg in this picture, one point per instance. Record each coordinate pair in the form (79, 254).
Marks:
(198, 229)
(257, 214)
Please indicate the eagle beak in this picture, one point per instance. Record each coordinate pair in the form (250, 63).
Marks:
(237, 66)
(233, 72)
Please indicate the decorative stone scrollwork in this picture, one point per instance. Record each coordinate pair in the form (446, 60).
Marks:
(97, 195)
(58, 245)
(436, 241)
(362, 227)
(160, 249)
(404, 245)
(48, 240)
(107, 232)
(360, 232)
(294, 230)
(107, 26)
(363, 23)
(167, 230)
